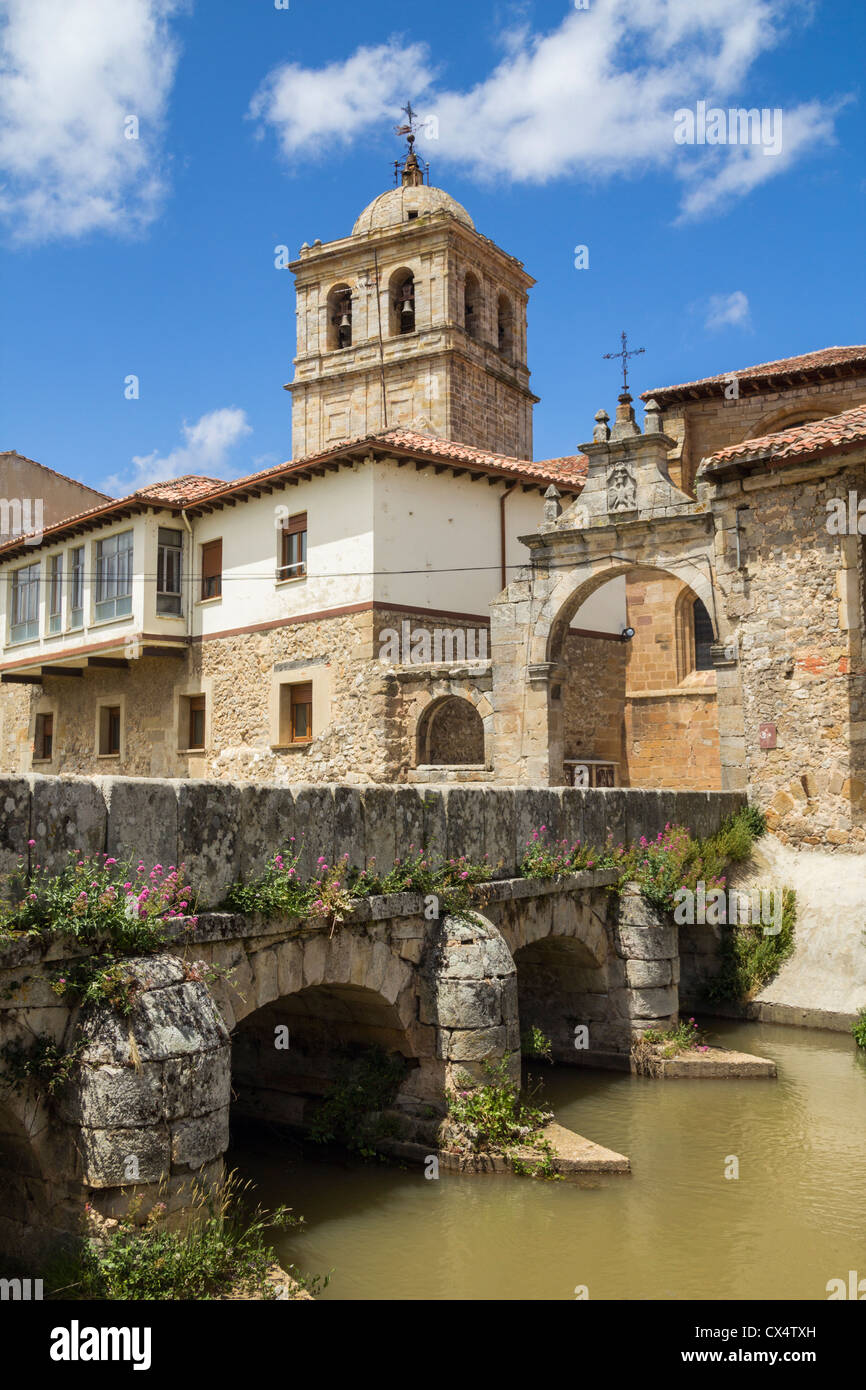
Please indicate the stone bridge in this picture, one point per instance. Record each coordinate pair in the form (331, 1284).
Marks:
(148, 1105)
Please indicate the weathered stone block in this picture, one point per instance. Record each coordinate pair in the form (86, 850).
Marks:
(197, 1141)
(197, 1084)
(267, 823)
(475, 1044)
(643, 974)
(381, 827)
(652, 1003)
(208, 833)
(67, 814)
(142, 819)
(14, 821)
(499, 829)
(463, 1005)
(349, 830)
(120, 1157)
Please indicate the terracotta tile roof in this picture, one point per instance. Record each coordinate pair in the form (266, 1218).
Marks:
(825, 360)
(796, 445)
(568, 472)
(180, 491)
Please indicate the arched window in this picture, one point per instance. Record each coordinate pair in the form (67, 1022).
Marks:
(451, 732)
(402, 298)
(339, 318)
(505, 327)
(703, 630)
(472, 306)
(694, 634)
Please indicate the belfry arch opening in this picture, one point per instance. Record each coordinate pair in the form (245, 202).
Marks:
(402, 302)
(633, 701)
(339, 318)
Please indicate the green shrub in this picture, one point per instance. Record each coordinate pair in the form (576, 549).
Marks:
(750, 958)
(491, 1117)
(858, 1029)
(221, 1251)
(536, 1045)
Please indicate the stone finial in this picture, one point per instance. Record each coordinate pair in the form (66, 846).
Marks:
(552, 504)
(317, 242)
(601, 433)
(305, 248)
(625, 425)
(652, 418)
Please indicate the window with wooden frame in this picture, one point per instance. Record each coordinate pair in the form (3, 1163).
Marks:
(76, 587)
(296, 713)
(109, 731)
(169, 565)
(293, 548)
(196, 706)
(55, 593)
(212, 569)
(24, 605)
(43, 743)
(114, 576)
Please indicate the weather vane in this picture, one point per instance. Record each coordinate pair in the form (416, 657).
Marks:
(624, 354)
(410, 131)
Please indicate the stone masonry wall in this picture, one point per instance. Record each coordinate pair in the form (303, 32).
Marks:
(798, 601)
(593, 699)
(702, 427)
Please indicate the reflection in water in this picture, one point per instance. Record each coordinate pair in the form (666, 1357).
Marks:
(675, 1229)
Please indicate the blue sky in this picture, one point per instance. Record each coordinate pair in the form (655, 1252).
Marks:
(261, 126)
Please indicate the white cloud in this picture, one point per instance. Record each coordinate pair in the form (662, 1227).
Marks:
(207, 446)
(727, 310)
(71, 72)
(314, 109)
(595, 98)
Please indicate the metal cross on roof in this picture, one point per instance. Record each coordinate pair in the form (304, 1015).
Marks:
(624, 354)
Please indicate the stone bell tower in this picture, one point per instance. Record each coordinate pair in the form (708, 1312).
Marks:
(415, 320)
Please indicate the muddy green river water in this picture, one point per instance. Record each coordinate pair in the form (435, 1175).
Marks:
(676, 1228)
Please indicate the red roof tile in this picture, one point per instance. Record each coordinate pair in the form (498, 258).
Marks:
(568, 472)
(825, 359)
(843, 431)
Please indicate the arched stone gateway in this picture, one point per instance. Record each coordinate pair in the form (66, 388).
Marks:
(629, 522)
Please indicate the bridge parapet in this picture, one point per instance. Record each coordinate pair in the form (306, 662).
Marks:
(224, 831)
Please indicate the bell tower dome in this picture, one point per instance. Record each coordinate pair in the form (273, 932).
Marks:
(415, 320)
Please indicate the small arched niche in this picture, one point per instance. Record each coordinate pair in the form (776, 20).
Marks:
(451, 733)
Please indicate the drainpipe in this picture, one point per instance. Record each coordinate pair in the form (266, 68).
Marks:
(502, 498)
